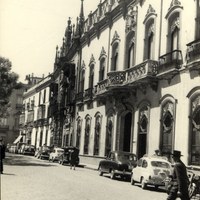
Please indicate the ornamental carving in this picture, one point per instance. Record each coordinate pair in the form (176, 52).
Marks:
(131, 19)
(92, 60)
(103, 53)
(196, 103)
(175, 24)
(150, 10)
(174, 3)
(115, 37)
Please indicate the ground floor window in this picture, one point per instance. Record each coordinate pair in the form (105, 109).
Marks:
(109, 130)
(195, 131)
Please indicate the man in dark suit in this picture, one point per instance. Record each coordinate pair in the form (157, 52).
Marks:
(179, 178)
(2, 154)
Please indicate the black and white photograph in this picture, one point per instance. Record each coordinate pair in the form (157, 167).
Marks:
(99, 99)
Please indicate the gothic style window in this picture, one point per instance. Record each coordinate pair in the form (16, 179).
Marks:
(195, 131)
(82, 81)
(97, 134)
(78, 133)
(130, 50)
(102, 69)
(114, 59)
(87, 135)
(149, 23)
(149, 40)
(91, 77)
(167, 126)
(115, 51)
(109, 130)
(143, 130)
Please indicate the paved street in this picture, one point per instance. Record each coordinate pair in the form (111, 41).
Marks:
(27, 178)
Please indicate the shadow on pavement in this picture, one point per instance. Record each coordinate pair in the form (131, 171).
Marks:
(19, 160)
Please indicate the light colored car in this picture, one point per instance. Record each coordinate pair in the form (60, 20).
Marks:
(151, 170)
(55, 154)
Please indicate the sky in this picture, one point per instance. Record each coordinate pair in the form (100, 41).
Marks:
(30, 30)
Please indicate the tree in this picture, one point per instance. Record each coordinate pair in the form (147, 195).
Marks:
(8, 82)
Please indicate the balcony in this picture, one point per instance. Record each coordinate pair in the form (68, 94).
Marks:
(170, 64)
(79, 98)
(88, 95)
(142, 73)
(193, 55)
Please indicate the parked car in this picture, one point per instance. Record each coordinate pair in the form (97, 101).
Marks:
(118, 163)
(44, 152)
(55, 154)
(65, 157)
(151, 170)
(28, 150)
(13, 148)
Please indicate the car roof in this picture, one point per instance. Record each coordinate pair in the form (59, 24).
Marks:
(123, 152)
(155, 158)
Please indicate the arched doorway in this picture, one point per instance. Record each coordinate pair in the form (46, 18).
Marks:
(127, 132)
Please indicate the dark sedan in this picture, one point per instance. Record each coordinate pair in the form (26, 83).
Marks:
(65, 157)
(29, 150)
(118, 163)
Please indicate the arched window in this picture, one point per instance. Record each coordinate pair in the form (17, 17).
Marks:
(97, 134)
(114, 58)
(115, 51)
(87, 134)
(167, 123)
(149, 40)
(102, 69)
(130, 50)
(109, 132)
(194, 135)
(91, 76)
(78, 133)
(143, 128)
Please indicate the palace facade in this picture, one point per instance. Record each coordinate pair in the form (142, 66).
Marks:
(128, 78)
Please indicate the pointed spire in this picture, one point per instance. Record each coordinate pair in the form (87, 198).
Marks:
(81, 19)
(56, 57)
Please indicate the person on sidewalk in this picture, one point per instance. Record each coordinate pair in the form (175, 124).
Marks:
(72, 158)
(180, 181)
(2, 154)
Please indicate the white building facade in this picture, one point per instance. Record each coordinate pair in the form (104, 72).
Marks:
(34, 120)
(137, 79)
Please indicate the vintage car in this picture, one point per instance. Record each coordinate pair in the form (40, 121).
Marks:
(118, 163)
(65, 157)
(55, 154)
(151, 170)
(43, 152)
(28, 150)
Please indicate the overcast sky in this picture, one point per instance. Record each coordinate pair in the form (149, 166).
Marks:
(31, 29)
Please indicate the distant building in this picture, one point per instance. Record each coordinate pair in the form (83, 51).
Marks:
(34, 120)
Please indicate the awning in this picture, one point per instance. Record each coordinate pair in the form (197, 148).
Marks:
(18, 139)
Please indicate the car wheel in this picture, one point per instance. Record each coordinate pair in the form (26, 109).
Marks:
(100, 171)
(112, 174)
(143, 184)
(156, 187)
(132, 180)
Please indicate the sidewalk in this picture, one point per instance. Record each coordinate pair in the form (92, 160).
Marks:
(89, 166)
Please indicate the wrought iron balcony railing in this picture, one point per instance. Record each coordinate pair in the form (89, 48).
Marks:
(79, 97)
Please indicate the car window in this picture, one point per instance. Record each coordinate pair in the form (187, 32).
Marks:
(144, 164)
(112, 156)
(125, 157)
(160, 164)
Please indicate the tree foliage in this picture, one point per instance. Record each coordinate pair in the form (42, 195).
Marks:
(8, 82)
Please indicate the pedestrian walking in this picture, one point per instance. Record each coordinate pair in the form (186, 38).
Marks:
(2, 154)
(73, 157)
(180, 181)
